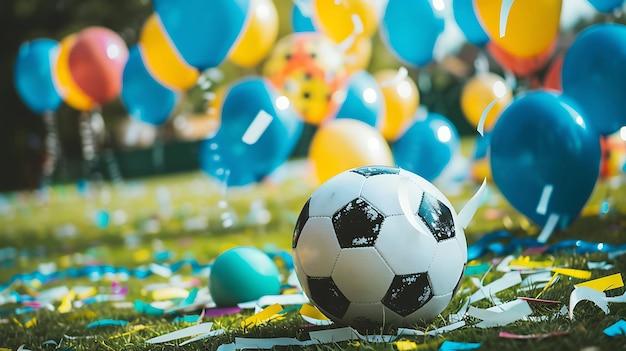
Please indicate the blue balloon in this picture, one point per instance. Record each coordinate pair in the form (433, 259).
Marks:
(300, 22)
(594, 75)
(145, 98)
(545, 157)
(606, 6)
(246, 148)
(34, 75)
(203, 31)
(410, 29)
(364, 101)
(465, 17)
(427, 146)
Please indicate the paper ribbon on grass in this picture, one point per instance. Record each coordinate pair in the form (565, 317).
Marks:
(587, 294)
(502, 314)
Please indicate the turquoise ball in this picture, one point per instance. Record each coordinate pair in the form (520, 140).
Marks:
(242, 274)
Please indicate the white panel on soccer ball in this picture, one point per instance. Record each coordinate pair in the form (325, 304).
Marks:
(302, 277)
(461, 239)
(362, 275)
(382, 191)
(447, 267)
(335, 193)
(430, 188)
(364, 314)
(405, 249)
(318, 247)
(429, 311)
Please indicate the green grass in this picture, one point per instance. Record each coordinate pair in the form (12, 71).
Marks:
(35, 232)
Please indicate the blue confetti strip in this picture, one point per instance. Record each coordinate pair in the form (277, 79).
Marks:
(501, 243)
(455, 345)
(617, 329)
(107, 323)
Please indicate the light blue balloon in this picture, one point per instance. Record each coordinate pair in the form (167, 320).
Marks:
(606, 6)
(427, 146)
(300, 22)
(34, 75)
(594, 74)
(144, 97)
(242, 274)
(410, 29)
(203, 31)
(364, 100)
(541, 139)
(228, 157)
(465, 17)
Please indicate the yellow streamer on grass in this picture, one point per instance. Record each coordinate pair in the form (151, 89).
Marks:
(574, 273)
(609, 282)
(267, 314)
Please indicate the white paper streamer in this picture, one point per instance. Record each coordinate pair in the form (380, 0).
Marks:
(585, 293)
(508, 280)
(405, 204)
(257, 127)
(204, 336)
(544, 199)
(414, 332)
(504, 15)
(287, 299)
(467, 212)
(501, 315)
(480, 127)
(548, 228)
(194, 330)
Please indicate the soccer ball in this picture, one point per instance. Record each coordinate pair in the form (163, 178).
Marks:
(379, 247)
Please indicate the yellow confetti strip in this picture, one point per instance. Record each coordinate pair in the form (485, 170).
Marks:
(609, 282)
(30, 323)
(574, 273)
(87, 293)
(526, 262)
(66, 302)
(169, 293)
(312, 312)
(86, 315)
(133, 330)
(5, 349)
(141, 255)
(405, 345)
(267, 314)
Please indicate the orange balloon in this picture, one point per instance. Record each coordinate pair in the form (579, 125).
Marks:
(520, 66)
(401, 101)
(258, 36)
(530, 27)
(479, 92)
(552, 80)
(161, 57)
(342, 144)
(71, 93)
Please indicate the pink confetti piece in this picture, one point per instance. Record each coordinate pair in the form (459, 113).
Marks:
(532, 336)
(222, 311)
(548, 302)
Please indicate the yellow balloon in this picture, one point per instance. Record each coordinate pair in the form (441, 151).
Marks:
(71, 93)
(531, 26)
(343, 144)
(401, 101)
(335, 18)
(258, 36)
(358, 56)
(161, 57)
(481, 91)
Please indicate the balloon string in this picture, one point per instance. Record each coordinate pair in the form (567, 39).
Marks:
(53, 146)
(89, 146)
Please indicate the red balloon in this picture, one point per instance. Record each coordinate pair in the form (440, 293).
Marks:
(97, 61)
(520, 66)
(552, 80)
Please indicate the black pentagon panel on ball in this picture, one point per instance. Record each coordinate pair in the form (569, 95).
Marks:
(375, 170)
(357, 224)
(328, 297)
(304, 215)
(408, 293)
(437, 217)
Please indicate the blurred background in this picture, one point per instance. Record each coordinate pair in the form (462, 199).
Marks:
(151, 151)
